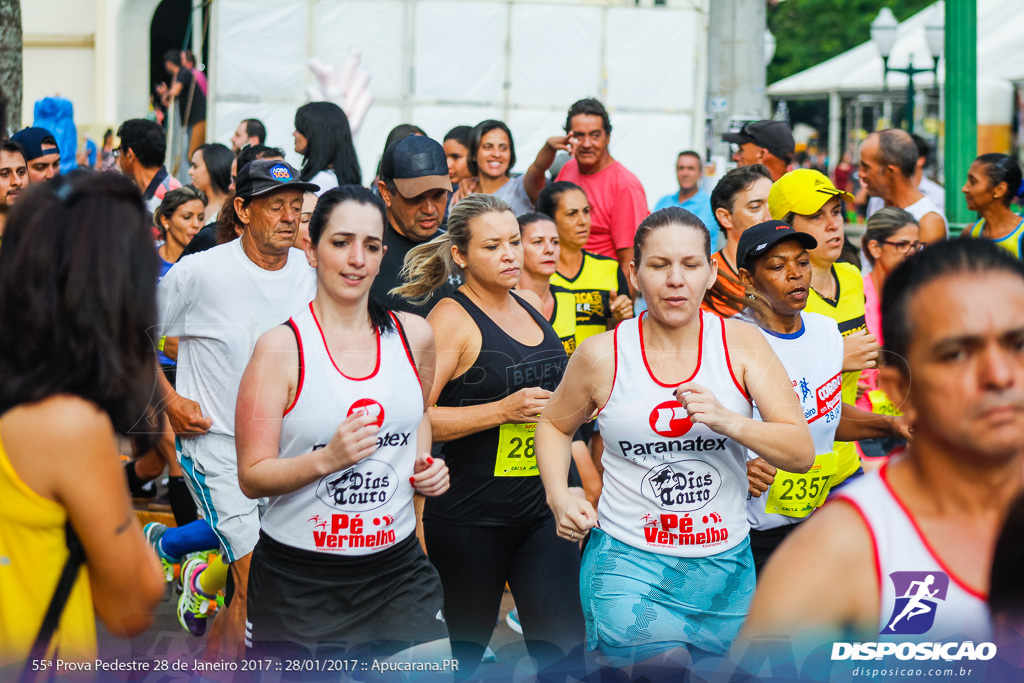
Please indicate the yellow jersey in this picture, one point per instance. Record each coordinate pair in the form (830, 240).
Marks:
(597, 278)
(1011, 243)
(33, 551)
(563, 317)
(847, 309)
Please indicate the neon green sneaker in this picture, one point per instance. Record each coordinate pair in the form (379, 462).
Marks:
(154, 531)
(193, 605)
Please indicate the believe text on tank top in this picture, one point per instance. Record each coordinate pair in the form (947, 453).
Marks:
(494, 476)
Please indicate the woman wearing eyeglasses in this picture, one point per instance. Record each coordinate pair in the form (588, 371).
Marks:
(891, 237)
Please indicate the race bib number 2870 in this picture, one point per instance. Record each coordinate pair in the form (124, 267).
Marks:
(516, 457)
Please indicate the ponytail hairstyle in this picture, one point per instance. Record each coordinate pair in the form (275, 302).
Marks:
(1001, 168)
(551, 196)
(172, 201)
(882, 225)
(428, 266)
(663, 218)
(229, 225)
(380, 316)
(531, 218)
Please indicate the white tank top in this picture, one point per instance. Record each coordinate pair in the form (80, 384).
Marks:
(924, 206)
(927, 602)
(813, 358)
(368, 507)
(670, 486)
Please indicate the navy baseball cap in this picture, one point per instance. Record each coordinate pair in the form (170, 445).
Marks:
(264, 176)
(416, 164)
(32, 141)
(774, 136)
(757, 240)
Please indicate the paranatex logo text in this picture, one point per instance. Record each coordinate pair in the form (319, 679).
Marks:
(949, 652)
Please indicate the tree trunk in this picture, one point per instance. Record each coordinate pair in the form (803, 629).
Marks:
(10, 65)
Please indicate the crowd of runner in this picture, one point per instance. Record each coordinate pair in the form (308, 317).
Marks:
(376, 408)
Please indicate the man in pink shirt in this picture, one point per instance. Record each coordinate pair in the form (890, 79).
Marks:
(617, 200)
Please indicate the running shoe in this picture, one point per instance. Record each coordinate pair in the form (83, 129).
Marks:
(193, 605)
(154, 531)
(513, 621)
(205, 556)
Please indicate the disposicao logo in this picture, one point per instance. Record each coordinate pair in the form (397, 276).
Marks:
(917, 599)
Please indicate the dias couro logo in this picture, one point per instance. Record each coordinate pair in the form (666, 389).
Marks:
(670, 419)
(370, 407)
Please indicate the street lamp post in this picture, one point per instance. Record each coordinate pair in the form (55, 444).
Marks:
(883, 35)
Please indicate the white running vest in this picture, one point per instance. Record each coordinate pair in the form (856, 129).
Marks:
(368, 507)
(670, 486)
(813, 358)
(921, 600)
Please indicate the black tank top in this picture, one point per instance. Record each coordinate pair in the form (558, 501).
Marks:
(486, 469)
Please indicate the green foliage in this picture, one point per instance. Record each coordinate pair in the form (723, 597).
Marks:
(807, 32)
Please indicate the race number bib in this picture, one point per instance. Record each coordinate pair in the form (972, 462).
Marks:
(796, 495)
(516, 457)
(881, 404)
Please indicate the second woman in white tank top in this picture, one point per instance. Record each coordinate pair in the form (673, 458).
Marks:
(331, 427)
(673, 389)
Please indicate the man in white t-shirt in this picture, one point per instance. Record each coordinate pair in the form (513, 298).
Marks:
(888, 162)
(929, 188)
(218, 303)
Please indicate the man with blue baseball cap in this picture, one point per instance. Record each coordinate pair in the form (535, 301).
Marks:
(41, 153)
(415, 187)
(218, 303)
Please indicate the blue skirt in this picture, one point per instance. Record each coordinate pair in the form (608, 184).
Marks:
(637, 603)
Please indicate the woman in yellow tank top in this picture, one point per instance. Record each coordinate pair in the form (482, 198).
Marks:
(993, 180)
(597, 281)
(77, 367)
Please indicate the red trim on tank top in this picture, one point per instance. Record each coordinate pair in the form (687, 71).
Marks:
(874, 544)
(643, 352)
(302, 365)
(408, 351)
(924, 541)
(615, 373)
(728, 363)
(328, 350)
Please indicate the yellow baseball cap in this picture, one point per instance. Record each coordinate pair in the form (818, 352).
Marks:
(802, 192)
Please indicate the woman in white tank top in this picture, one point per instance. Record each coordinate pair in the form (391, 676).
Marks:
(669, 562)
(329, 429)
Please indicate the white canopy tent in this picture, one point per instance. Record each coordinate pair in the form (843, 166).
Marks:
(860, 70)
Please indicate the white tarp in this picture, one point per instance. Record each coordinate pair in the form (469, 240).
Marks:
(442, 63)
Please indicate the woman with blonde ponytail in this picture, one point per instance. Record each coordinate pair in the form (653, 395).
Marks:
(498, 362)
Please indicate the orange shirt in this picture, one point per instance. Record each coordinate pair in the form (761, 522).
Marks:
(727, 280)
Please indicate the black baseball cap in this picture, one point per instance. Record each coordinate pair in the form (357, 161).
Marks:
(264, 176)
(757, 240)
(416, 164)
(32, 141)
(774, 136)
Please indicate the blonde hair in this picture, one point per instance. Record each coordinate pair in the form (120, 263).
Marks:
(429, 265)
